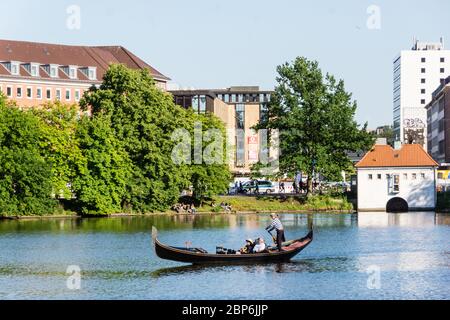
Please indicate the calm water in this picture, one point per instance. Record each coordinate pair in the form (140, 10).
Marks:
(411, 251)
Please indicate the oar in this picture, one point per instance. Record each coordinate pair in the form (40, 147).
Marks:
(273, 238)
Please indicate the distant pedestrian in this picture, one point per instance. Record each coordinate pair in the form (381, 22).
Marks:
(282, 189)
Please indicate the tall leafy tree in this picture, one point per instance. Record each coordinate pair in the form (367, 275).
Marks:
(59, 145)
(25, 176)
(315, 118)
(101, 184)
(212, 176)
(143, 117)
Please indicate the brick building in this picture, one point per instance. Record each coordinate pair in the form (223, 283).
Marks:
(36, 73)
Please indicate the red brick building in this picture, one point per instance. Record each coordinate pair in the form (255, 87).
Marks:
(36, 73)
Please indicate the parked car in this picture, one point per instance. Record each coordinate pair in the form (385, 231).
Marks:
(264, 186)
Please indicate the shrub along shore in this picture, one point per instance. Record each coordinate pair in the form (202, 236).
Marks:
(238, 204)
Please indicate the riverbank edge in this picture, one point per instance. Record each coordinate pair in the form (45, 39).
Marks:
(172, 213)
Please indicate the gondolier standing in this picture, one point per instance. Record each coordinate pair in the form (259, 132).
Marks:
(276, 224)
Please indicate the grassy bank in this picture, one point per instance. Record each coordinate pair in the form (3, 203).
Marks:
(281, 204)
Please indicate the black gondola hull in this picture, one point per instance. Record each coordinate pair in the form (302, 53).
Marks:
(177, 254)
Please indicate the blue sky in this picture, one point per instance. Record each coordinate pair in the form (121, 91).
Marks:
(212, 43)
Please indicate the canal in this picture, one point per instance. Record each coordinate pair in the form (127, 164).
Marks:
(365, 256)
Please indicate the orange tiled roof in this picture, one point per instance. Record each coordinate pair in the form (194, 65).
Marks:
(410, 155)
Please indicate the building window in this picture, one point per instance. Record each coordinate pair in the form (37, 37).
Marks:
(9, 92)
(422, 80)
(422, 101)
(49, 94)
(29, 93)
(195, 103)
(15, 68)
(442, 60)
(58, 94)
(92, 74)
(226, 98)
(370, 177)
(54, 71)
(240, 116)
(441, 147)
(442, 70)
(405, 176)
(39, 93)
(34, 70)
(72, 72)
(263, 113)
(202, 104)
(77, 95)
(379, 176)
(414, 176)
(67, 94)
(396, 184)
(422, 91)
(422, 175)
(424, 60)
(423, 70)
(19, 92)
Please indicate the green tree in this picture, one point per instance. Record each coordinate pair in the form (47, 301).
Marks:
(212, 177)
(25, 176)
(143, 117)
(101, 184)
(315, 118)
(388, 133)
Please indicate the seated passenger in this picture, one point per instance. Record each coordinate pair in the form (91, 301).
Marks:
(260, 246)
(248, 248)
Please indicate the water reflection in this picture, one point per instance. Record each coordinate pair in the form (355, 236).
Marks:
(413, 219)
(329, 264)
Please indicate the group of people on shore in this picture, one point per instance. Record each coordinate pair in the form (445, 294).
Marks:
(184, 208)
(224, 205)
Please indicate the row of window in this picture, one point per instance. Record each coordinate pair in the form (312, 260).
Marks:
(388, 176)
(423, 60)
(244, 97)
(51, 69)
(424, 70)
(39, 93)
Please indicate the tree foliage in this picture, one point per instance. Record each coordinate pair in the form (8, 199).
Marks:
(101, 184)
(115, 157)
(315, 118)
(144, 118)
(25, 176)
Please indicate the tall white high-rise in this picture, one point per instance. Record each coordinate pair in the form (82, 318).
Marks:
(417, 73)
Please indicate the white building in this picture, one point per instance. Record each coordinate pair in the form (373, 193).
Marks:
(417, 73)
(396, 180)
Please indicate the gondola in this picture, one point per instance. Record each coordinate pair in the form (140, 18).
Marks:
(200, 256)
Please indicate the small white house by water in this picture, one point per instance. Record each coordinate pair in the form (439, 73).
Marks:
(396, 180)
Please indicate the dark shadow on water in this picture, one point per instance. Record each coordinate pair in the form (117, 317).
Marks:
(329, 264)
